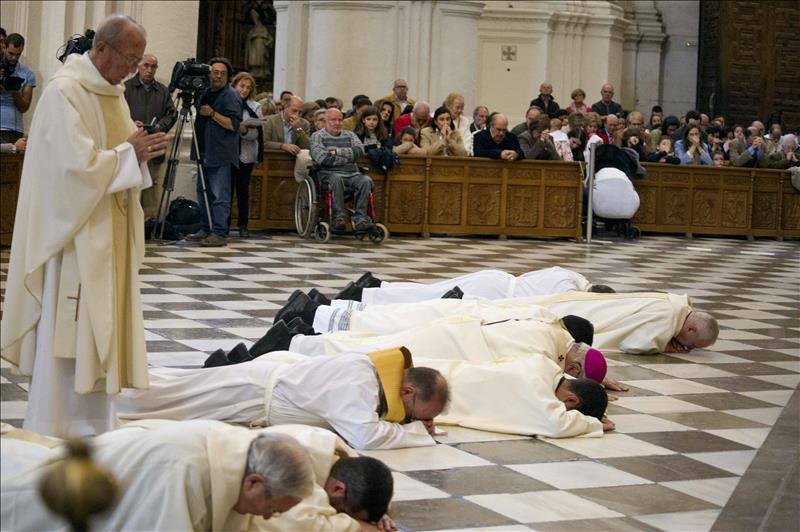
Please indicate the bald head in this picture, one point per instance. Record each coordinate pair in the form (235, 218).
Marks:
(147, 68)
(118, 47)
(546, 89)
(498, 128)
(699, 330)
(607, 92)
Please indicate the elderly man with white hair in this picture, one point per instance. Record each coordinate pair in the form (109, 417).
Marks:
(193, 475)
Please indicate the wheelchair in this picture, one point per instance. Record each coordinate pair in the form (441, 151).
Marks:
(313, 211)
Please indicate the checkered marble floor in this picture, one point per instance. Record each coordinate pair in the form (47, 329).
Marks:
(694, 436)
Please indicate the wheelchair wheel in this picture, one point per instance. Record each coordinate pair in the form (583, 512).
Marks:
(379, 234)
(305, 208)
(322, 232)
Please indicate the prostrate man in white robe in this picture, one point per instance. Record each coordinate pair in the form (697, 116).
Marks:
(636, 323)
(178, 476)
(372, 402)
(529, 396)
(484, 284)
(73, 317)
(476, 333)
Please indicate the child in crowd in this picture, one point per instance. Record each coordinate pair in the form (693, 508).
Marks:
(718, 157)
(406, 142)
(664, 153)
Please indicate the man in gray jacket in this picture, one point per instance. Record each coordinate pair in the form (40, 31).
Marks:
(335, 152)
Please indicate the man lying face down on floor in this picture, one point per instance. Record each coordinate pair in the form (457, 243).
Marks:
(480, 335)
(349, 491)
(181, 476)
(634, 323)
(375, 401)
(484, 284)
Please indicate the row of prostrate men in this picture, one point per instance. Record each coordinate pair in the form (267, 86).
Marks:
(382, 365)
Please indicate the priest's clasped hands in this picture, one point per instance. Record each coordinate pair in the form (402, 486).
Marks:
(149, 145)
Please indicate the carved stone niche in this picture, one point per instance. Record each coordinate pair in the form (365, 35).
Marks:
(734, 208)
(674, 206)
(522, 209)
(484, 205)
(445, 204)
(405, 203)
(765, 209)
(560, 207)
(648, 203)
(704, 207)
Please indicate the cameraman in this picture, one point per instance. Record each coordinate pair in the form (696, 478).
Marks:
(14, 103)
(217, 128)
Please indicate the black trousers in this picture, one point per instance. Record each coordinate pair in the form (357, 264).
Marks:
(240, 183)
(10, 136)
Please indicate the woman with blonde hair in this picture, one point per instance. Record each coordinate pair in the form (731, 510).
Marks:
(455, 104)
(577, 105)
(251, 147)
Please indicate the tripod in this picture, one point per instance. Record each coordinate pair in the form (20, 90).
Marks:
(185, 116)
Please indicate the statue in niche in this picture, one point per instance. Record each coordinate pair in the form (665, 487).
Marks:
(256, 47)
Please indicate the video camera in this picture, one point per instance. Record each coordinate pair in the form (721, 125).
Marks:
(10, 82)
(77, 44)
(190, 76)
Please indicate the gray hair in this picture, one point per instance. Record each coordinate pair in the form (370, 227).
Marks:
(706, 324)
(284, 463)
(420, 105)
(113, 26)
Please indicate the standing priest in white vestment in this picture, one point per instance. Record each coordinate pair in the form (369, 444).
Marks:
(73, 316)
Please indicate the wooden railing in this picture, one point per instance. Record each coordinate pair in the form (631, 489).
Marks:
(463, 195)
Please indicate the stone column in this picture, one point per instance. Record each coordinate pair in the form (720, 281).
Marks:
(354, 48)
(646, 79)
(291, 46)
(602, 50)
(454, 51)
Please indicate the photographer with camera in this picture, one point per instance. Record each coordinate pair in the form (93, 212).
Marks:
(217, 130)
(151, 105)
(16, 95)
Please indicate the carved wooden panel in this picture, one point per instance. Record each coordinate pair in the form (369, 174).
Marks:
(734, 209)
(648, 206)
(405, 202)
(10, 172)
(704, 207)
(674, 206)
(560, 208)
(525, 173)
(281, 165)
(447, 171)
(765, 210)
(522, 208)
(748, 61)
(484, 205)
(281, 193)
(486, 171)
(791, 210)
(675, 178)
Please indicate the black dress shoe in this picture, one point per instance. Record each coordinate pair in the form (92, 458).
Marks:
(368, 281)
(239, 354)
(298, 326)
(350, 292)
(453, 293)
(277, 338)
(243, 232)
(293, 307)
(317, 297)
(217, 358)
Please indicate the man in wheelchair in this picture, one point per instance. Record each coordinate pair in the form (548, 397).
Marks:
(335, 152)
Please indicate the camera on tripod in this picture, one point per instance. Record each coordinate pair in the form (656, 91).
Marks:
(190, 76)
(10, 82)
